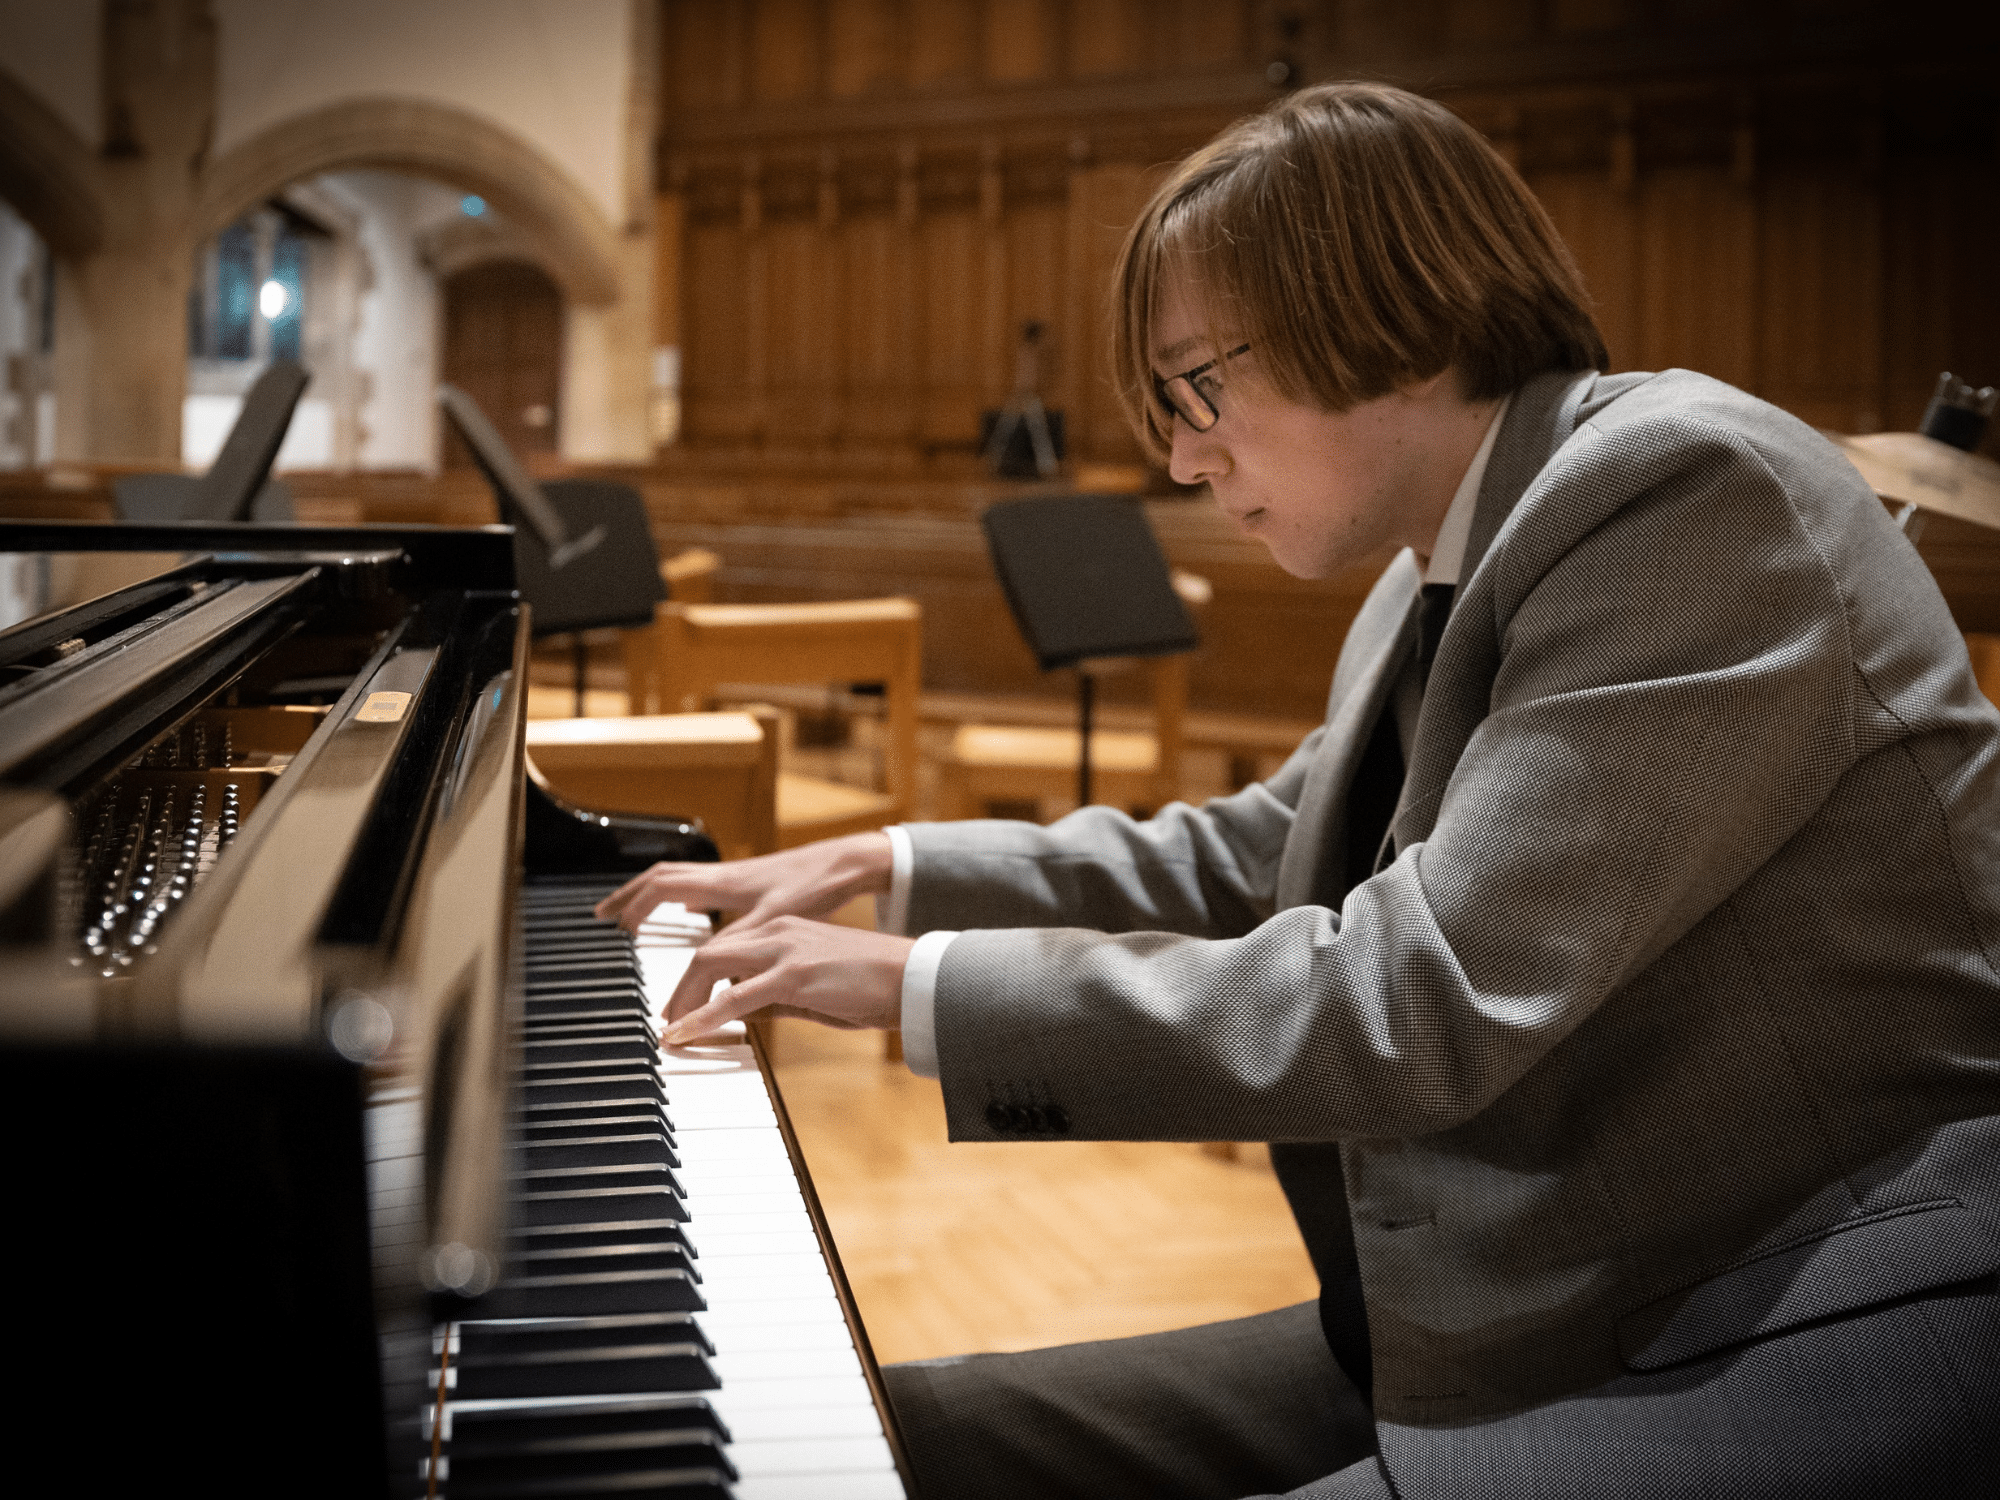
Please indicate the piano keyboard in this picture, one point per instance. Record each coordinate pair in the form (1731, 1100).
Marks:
(669, 1325)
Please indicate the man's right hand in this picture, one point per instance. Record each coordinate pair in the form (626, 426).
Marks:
(810, 881)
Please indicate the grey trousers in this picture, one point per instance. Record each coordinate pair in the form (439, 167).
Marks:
(1254, 1406)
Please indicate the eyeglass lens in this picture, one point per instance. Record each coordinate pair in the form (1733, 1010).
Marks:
(1188, 403)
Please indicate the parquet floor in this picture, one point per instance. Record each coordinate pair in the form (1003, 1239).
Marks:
(953, 1249)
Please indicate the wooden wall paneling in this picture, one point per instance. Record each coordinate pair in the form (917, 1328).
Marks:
(1103, 201)
(1034, 235)
(996, 336)
(785, 50)
(1820, 302)
(1697, 274)
(1022, 41)
(719, 384)
(1600, 224)
(704, 45)
(944, 42)
(951, 287)
(1206, 36)
(669, 241)
(864, 47)
(1475, 24)
(803, 291)
(1943, 299)
(879, 377)
(1583, 17)
(1104, 37)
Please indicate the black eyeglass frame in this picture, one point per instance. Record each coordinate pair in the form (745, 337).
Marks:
(1180, 397)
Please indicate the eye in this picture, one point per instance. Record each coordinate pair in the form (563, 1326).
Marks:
(1208, 383)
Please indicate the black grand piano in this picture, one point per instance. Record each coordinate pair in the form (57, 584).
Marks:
(340, 1159)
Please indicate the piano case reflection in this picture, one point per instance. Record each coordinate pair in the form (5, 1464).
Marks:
(266, 827)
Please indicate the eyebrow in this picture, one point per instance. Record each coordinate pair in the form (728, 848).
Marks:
(1176, 349)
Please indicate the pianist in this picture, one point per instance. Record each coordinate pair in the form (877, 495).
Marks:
(1613, 972)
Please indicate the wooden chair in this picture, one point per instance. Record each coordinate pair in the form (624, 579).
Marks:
(695, 648)
(719, 767)
(690, 575)
(1002, 763)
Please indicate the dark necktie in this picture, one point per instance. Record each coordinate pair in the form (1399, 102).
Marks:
(1371, 803)
(1378, 780)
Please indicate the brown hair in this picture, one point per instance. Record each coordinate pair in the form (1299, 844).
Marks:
(1359, 238)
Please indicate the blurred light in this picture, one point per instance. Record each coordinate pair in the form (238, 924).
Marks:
(472, 205)
(271, 300)
(360, 1027)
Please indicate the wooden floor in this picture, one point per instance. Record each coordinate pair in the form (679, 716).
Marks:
(953, 1249)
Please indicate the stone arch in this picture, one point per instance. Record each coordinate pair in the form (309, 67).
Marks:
(48, 174)
(562, 230)
(464, 243)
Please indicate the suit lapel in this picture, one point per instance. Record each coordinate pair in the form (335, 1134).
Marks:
(1382, 639)
(1541, 418)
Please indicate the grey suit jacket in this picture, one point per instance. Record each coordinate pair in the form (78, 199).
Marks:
(1674, 1023)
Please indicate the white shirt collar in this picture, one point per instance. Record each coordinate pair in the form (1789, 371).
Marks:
(1448, 551)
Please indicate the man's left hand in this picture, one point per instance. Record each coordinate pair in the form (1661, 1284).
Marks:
(792, 966)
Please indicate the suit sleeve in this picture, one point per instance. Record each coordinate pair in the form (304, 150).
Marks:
(1204, 872)
(1657, 690)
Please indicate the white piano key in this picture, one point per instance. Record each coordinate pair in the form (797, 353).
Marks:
(763, 1338)
(878, 1486)
(848, 1389)
(787, 1364)
(793, 1392)
(757, 1459)
(753, 1312)
(848, 1419)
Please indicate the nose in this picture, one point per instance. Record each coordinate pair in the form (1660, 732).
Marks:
(1193, 456)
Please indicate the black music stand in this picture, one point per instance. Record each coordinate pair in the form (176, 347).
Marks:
(584, 557)
(238, 485)
(1086, 579)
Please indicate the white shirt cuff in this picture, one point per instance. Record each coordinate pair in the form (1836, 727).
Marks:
(920, 1003)
(892, 912)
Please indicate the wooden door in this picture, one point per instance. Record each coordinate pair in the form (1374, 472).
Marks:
(503, 348)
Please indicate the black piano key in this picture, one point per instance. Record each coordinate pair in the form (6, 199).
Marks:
(593, 1205)
(611, 1174)
(560, 1021)
(481, 1426)
(491, 1448)
(608, 1233)
(636, 1484)
(577, 952)
(539, 1443)
(579, 1294)
(551, 1030)
(595, 973)
(559, 1121)
(555, 985)
(629, 1148)
(643, 1255)
(581, 1357)
(553, 1115)
(594, 1088)
(592, 1012)
(587, 1053)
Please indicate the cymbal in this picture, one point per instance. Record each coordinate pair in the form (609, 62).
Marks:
(1909, 468)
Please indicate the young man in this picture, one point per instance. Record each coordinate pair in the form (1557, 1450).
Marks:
(1614, 971)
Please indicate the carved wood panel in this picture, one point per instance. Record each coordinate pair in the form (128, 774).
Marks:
(879, 192)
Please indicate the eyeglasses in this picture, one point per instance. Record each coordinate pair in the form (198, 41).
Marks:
(1190, 395)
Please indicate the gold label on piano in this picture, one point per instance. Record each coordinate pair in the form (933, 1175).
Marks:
(383, 708)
